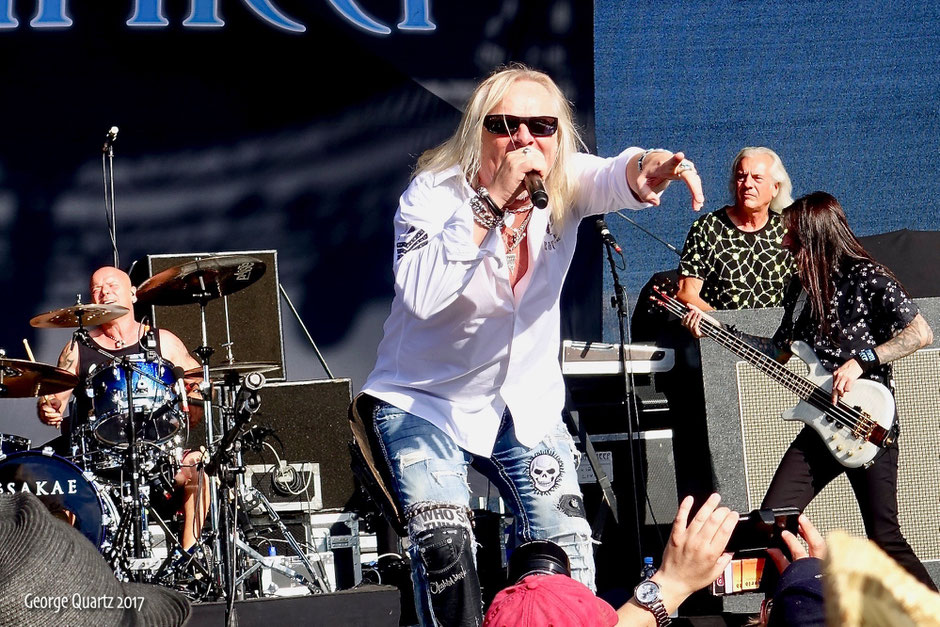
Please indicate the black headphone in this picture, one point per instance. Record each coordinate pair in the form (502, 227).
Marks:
(538, 557)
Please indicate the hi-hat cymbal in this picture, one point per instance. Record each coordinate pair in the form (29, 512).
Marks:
(20, 378)
(238, 368)
(201, 280)
(78, 315)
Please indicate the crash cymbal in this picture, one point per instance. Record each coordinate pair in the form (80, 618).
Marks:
(202, 279)
(89, 315)
(20, 378)
(237, 368)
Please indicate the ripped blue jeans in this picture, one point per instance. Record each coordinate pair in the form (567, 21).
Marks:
(538, 484)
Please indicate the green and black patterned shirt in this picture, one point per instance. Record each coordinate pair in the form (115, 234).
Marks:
(740, 270)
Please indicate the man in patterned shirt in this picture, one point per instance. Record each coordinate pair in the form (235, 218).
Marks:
(857, 318)
(732, 257)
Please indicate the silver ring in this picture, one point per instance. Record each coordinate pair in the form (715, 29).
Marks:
(684, 165)
(525, 150)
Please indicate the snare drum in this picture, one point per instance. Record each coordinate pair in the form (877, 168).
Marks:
(65, 490)
(10, 444)
(156, 404)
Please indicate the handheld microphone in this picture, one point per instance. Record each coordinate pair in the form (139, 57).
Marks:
(109, 139)
(604, 232)
(536, 189)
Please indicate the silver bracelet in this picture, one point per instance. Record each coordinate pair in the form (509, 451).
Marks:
(483, 215)
(484, 193)
(639, 162)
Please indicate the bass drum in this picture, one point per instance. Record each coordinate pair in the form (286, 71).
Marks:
(69, 493)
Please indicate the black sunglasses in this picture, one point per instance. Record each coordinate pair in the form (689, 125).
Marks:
(539, 126)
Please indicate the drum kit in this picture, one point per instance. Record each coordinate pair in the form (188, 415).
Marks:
(117, 466)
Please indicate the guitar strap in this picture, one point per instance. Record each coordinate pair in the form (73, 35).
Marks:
(794, 297)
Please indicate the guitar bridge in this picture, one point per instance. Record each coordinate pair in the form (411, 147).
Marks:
(870, 431)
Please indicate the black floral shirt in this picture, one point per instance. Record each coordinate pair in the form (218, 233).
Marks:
(868, 308)
(738, 269)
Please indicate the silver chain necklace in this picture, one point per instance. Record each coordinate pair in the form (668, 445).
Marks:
(516, 235)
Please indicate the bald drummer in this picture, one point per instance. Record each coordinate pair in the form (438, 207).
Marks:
(121, 337)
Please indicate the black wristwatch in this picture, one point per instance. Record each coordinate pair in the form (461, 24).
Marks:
(649, 596)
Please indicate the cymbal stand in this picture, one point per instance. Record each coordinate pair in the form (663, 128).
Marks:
(237, 414)
(204, 352)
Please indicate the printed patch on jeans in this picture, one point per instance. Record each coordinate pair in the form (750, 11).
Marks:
(413, 239)
(433, 516)
(545, 470)
(572, 505)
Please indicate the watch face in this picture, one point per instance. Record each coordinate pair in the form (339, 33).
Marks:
(647, 592)
(867, 355)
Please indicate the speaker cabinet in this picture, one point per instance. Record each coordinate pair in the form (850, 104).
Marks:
(310, 420)
(747, 437)
(254, 313)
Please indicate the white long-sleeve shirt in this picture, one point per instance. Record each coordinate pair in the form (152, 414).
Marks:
(460, 344)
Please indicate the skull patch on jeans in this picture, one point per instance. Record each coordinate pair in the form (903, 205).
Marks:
(545, 470)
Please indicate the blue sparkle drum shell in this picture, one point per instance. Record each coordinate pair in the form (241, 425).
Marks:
(156, 403)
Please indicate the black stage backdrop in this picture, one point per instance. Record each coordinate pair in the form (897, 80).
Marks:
(237, 133)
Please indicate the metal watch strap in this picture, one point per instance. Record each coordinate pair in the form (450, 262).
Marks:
(659, 613)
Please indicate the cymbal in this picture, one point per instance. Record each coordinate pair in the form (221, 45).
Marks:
(89, 315)
(20, 378)
(237, 368)
(202, 279)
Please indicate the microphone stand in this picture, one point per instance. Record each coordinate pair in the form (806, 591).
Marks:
(619, 302)
(107, 165)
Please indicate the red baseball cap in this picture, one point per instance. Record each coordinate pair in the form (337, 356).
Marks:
(549, 601)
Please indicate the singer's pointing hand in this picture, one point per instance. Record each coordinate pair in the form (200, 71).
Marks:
(659, 169)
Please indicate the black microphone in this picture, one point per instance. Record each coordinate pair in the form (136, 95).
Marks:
(604, 232)
(150, 345)
(180, 375)
(536, 189)
(109, 139)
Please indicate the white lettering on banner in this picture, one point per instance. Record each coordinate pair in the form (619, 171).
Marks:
(40, 488)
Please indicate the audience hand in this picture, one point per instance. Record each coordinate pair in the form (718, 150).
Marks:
(814, 540)
(695, 555)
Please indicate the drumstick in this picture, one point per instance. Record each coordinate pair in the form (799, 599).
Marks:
(29, 353)
(44, 399)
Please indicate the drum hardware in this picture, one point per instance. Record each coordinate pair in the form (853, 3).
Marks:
(128, 369)
(198, 282)
(10, 443)
(241, 402)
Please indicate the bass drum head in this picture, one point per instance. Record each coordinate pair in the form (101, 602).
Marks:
(60, 485)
